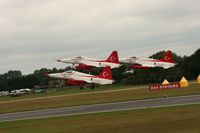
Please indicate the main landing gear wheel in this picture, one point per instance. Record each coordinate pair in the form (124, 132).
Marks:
(82, 86)
(92, 86)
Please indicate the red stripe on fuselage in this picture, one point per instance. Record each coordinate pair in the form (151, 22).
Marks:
(152, 60)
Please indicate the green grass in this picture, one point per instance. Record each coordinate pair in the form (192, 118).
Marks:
(93, 98)
(179, 119)
(67, 90)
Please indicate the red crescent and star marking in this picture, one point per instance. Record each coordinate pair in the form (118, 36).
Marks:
(105, 74)
(112, 58)
(167, 58)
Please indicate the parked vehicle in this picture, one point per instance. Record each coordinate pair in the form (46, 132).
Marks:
(14, 93)
(4, 93)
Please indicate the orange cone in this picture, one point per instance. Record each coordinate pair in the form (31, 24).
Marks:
(165, 82)
(198, 79)
(184, 82)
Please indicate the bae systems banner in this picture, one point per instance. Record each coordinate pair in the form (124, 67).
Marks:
(164, 87)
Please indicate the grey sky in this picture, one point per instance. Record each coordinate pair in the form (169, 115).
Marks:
(33, 33)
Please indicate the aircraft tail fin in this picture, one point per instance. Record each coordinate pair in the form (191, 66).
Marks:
(113, 58)
(168, 57)
(106, 73)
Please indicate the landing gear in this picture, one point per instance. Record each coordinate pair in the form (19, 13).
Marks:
(92, 86)
(82, 86)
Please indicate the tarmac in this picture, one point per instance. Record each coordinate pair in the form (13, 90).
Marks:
(105, 107)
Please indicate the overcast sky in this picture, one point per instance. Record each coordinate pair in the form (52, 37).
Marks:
(34, 33)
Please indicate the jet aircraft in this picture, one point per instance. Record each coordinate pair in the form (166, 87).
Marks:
(79, 78)
(137, 62)
(84, 62)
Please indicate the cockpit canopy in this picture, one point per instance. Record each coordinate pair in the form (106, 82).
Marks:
(68, 72)
(79, 57)
(134, 57)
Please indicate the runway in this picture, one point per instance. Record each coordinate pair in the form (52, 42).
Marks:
(106, 107)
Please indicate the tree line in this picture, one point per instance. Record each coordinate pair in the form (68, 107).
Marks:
(188, 66)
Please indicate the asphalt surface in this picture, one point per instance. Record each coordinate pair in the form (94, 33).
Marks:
(106, 107)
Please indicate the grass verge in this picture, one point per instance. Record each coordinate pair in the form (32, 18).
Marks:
(67, 91)
(93, 98)
(177, 119)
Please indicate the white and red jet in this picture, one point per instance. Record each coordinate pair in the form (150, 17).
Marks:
(145, 63)
(79, 78)
(84, 62)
